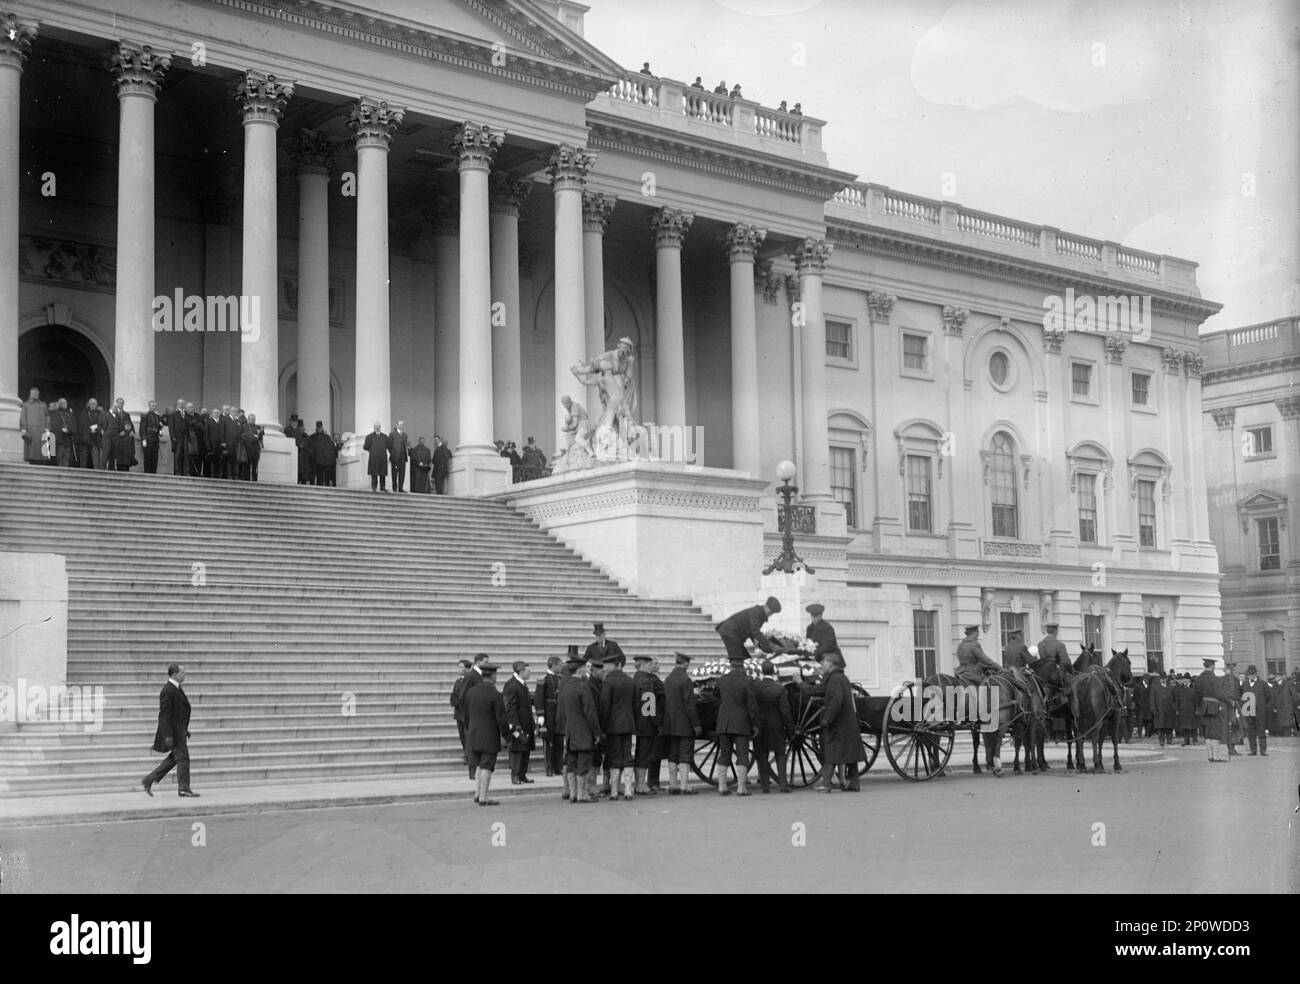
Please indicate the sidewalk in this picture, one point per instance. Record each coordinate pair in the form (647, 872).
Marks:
(106, 807)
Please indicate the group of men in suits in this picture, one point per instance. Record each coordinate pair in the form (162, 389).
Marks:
(90, 438)
(318, 452)
(388, 454)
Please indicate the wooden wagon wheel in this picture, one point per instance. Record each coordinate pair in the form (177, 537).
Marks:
(805, 752)
(870, 737)
(705, 762)
(917, 749)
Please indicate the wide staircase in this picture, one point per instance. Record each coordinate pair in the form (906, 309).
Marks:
(319, 628)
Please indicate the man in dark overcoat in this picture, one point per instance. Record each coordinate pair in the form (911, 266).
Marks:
(64, 428)
(376, 446)
(151, 425)
(1256, 707)
(821, 632)
(841, 736)
(618, 721)
(399, 449)
(324, 455)
(1164, 712)
(1050, 647)
(90, 435)
(1185, 707)
(776, 726)
(1213, 709)
(603, 648)
(485, 729)
(973, 667)
(1231, 688)
(173, 734)
(441, 464)
(1017, 653)
(681, 726)
(421, 465)
(648, 709)
(747, 624)
(546, 696)
(582, 732)
(519, 720)
(458, 708)
(737, 724)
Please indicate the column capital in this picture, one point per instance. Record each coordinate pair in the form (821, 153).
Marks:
(261, 97)
(596, 210)
(137, 69)
(954, 318)
(811, 257)
(1193, 363)
(507, 193)
(670, 226)
(16, 37)
(1173, 360)
(568, 166)
(372, 122)
(1224, 417)
(312, 152)
(768, 281)
(475, 144)
(1288, 407)
(881, 305)
(742, 242)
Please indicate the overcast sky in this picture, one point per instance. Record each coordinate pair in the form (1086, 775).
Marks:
(1168, 126)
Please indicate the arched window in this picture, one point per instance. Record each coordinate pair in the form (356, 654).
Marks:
(1001, 464)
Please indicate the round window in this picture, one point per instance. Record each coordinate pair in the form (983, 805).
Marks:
(999, 368)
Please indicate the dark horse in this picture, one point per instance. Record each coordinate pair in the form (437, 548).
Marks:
(1095, 702)
(1013, 712)
(1054, 688)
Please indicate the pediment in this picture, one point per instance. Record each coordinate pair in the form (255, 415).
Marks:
(1263, 501)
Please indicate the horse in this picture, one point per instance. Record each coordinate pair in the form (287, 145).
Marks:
(1012, 712)
(1087, 657)
(1048, 675)
(1094, 705)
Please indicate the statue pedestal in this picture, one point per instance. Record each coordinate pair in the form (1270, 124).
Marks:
(662, 530)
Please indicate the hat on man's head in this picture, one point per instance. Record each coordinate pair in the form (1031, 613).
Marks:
(320, 423)
(598, 628)
(767, 669)
(815, 609)
(487, 669)
(573, 650)
(1015, 634)
(643, 659)
(574, 660)
(597, 663)
(1052, 625)
(1251, 671)
(773, 604)
(681, 659)
(972, 628)
(1209, 661)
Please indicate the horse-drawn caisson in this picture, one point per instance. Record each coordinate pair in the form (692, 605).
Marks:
(917, 723)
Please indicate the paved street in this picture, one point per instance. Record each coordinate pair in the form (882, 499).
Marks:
(1174, 826)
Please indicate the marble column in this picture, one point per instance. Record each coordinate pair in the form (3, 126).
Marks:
(262, 99)
(372, 122)
(507, 195)
(596, 210)
(670, 226)
(15, 42)
(568, 167)
(476, 467)
(742, 242)
(445, 218)
(312, 155)
(814, 479)
(138, 73)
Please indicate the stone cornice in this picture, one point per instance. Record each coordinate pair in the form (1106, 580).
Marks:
(1249, 370)
(931, 252)
(702, 154)
(536, 58)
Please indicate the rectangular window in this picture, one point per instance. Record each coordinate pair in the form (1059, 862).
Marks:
(1146, 514)
(1009, 622)
(839, 340)
(1141, 389)
(1270, 544)
(1094, 632)
(844, 485)
(1087, 508)
(1155, 644)
(1080, 378)
(1261, 440)
(914, 352)
(918, 494)
(923, 648)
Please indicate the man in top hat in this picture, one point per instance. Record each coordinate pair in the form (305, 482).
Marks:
(747, 624)
(1051, 647)
(737, 723)
(399, 450)
(519, 722)
(1256, 709)
(776, 725)
(618, 721)
(324, 456)
(602, 648)
(973, 666)
(1212, 708)
(485, 728)
(648, 714)
(1017, 653)
(458, 707)
(820, 631)
(546, 698)
(681, 726)
(581, 725)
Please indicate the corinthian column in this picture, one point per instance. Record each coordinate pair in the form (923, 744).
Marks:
(476, 466)
(372, 122)
(262, 99)
(670, 226)
(742, 242)
(312, 156)
(507, 194)
(138, 73)
(15, 41)
(596, 210)
(568, 167)
(810, 259)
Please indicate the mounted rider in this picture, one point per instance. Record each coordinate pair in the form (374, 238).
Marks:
(1051, 647)
(973, 666)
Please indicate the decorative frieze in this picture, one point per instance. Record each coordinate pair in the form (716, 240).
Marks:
(1224, 417)
(137, 69)
(689, 502)
(568, 167)
(262, 97)
(373, 122)
(16, 37)
(953, 319)
(74, 263)
(881, 305)
(507, 193)
(596, 210)
(742, 241)
(1001, 548)
(670, 226)
(768, 281)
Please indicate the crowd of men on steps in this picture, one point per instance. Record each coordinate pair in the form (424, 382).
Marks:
(608, 733)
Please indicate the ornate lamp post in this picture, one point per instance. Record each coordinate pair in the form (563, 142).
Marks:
(788, 559)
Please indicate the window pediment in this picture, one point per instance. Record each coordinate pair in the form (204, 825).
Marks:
(1262, 505)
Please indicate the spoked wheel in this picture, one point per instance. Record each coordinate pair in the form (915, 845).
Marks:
(805, 748)
(705, 762)
(870, 736)
(917, 749)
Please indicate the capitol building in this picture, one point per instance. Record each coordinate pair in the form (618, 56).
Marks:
(431, 211)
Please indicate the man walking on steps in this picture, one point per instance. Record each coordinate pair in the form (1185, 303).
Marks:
(173, 733)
